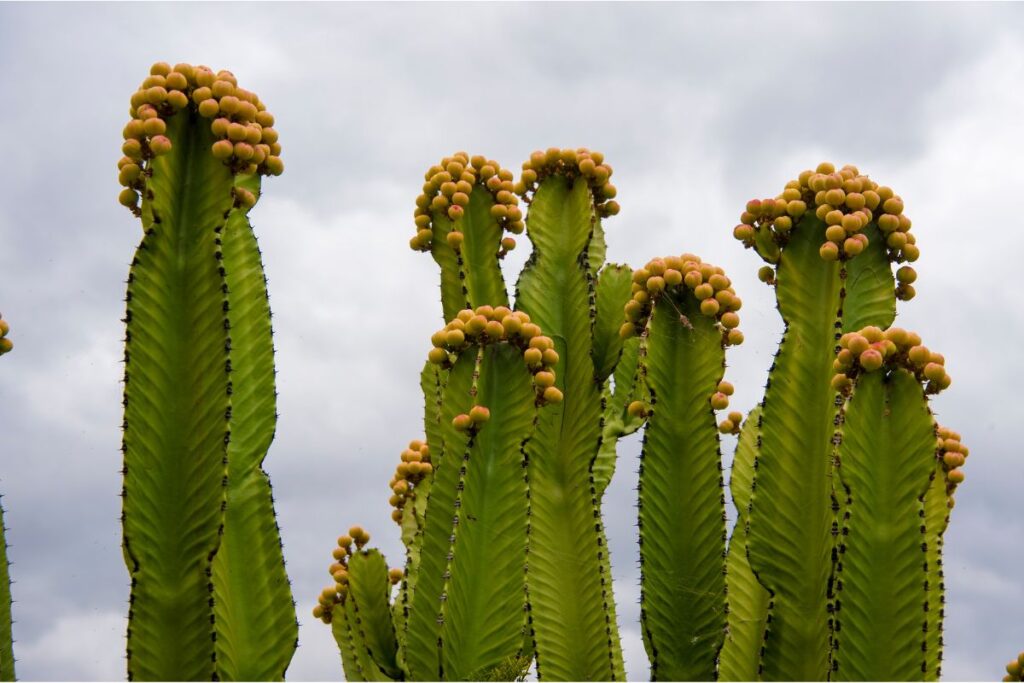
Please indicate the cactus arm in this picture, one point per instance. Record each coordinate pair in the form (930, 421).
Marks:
(936, 518)
(480, 248)
(453, 293)
(570, 589)
(617, 421)
(370, 591)
(685, 312)
(176, 395)
(486, 591)
(748, 600)
(461, 215)
(6, 640)
(254, 610)
(356, 660)
(422, 655)
(790, 521)
(682, 510)
(789, 543)
(887, 456)
(950, 455)
(612, 293)
(869, 286)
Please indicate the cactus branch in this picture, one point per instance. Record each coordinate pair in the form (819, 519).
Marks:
(681, 501)
(569, 579)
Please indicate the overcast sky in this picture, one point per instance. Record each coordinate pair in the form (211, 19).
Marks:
(697, 107)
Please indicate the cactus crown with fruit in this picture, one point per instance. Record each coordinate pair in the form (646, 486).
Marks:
(245, 139)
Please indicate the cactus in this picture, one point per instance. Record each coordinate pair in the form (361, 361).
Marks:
(6, 639)
(685, 312)
(843, 440)
(210, 597)
(823, 288)
(886, 458)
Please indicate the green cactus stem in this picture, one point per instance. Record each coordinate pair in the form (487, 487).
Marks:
(356, 605)
(886, 456)
(748, 600)
(199, 410)
(470, 594)
(6, 639)
(572, 612)
(461, 216)
(684, 312)
(950, 455)
(830, 235)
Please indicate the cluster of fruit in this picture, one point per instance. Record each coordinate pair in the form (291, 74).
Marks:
(246, 139)
(872, 349)
(490, 325)
(414, 468)
(447, 189)
(952, 453)
(679, 275)
(846, 202)
(5, 343)
(1015, 669)
(572, 164)
(335, 594)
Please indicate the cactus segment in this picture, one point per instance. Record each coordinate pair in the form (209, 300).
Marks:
(356, 661)
(886, 456)
(568, 581)
(6, 640)
(789, 542)
(370, 591)
(184, 378)
(176, 403)
(422, 652)
(483, 613)
(612, 293)
(748, 599)
(681, 500)
(685, 311)
(255, 615)
(461, 216)
(936, 518)
(869, 286)
(790, 520)
(617, 421)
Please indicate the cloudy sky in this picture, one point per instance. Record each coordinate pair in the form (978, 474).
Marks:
(698, 108)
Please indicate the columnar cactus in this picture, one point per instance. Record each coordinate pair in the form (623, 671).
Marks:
(886, 460)
(685, 313)
(209, 596)
(830, 237)
(500, 506)
(6, 640)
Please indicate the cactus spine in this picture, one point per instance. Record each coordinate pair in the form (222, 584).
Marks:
(209, 594)
(6, 638)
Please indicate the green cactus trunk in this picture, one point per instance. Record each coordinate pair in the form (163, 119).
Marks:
(790, 538)
(6, 639)
(682, 505)
(748, 599)
(569, 579)
(209, 597)
(887, 456)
